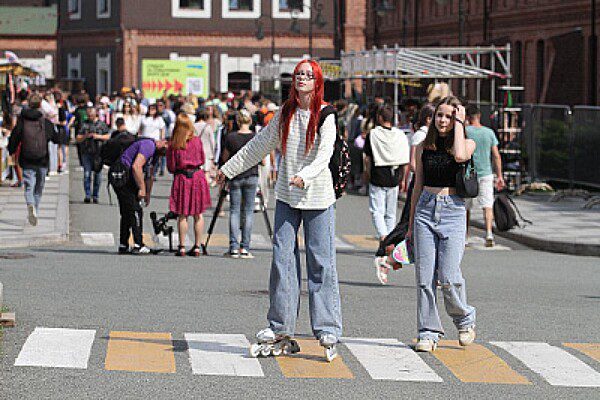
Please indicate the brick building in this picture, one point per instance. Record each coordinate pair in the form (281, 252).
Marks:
(106, 41)
(550, 38)
(29, 31)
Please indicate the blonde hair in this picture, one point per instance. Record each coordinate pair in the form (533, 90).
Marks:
(182, 133)
(243, 117)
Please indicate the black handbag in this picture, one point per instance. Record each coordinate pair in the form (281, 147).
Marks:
(467, 185)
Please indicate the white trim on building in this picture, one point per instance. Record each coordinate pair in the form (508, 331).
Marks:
(99, 4)
(178, 12)
(74, 9)
(103, 73)
(237, 64)
(278, 13)
(74, 64)
(227, 12)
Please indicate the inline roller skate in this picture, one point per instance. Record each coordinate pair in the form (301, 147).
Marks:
(329, 342)
(271, 344)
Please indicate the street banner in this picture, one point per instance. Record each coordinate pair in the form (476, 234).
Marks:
(174, 76)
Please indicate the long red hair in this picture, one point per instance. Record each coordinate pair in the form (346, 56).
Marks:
(290, 105)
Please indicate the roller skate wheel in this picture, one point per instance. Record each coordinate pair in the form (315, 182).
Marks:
(255, 350)
(277, 352)
(266, 352)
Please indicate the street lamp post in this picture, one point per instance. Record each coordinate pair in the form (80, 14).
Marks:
(316, 5)
(260, 33)
(593, 57)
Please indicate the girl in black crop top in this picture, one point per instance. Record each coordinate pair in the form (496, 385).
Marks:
(437, 225)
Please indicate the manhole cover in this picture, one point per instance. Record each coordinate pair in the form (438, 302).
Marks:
(15, 256)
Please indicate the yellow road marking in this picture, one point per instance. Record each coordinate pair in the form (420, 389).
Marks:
(218, 240)
(476, 363)
(589, 349)
(365, 242)
(311, 363)
(140, 351)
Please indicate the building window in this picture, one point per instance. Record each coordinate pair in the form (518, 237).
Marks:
(103, 8)
(74, 65)
(241, 9)
(191, 8)
(289, 9)
(103, 73)
(540, 69)
(74, 9)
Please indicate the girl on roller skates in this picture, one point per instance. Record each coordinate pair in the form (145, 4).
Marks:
(305, 195)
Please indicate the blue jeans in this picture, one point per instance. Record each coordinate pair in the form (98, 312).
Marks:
(34, 179)
(383, 202)
(286, 273)
(440, 228)
(88, 170)
(241, 191)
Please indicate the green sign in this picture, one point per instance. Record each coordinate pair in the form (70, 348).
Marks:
(174, 76)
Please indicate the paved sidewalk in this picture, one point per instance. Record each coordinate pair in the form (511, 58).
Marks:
(53, 218)
(560, 227)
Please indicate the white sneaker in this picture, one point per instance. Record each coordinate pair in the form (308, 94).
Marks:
(32, 215)
(232, 254)
(466, 336)
(245, 254)
(141, 251)
(425, 345)
(489, 240)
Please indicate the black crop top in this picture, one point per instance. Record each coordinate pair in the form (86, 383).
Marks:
(439, 167)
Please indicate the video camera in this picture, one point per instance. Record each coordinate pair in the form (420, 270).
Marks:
(161, 226)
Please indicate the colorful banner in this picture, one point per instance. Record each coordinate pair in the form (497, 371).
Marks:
(174, 76)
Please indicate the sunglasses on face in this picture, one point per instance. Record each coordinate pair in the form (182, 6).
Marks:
(304, 76)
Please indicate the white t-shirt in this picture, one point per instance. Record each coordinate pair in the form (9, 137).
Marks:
(418, 136)
(151, 127)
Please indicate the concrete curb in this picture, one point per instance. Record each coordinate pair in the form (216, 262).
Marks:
(61, 223)
(540, 243)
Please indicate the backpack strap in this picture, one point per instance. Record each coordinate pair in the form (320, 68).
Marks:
(326, 112)
(517, 210)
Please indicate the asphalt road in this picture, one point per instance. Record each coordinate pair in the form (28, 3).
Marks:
(521, 296)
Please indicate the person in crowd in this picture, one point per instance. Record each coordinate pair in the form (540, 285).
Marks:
(242, 190)
(369, 122)
(121, 128)
(8, 126)
(190, 195)
(131, 116)
(383, 260)
(387, 162)
(485, 154)
(93, 133)
(31, 136)
(205, 132)
(438, 218)
(169, 117)
(305, 194)
(139, 159)
(63, 131)
(5, 130)
(104, 110)
(50, 111)
(81, 116)
(152, 126)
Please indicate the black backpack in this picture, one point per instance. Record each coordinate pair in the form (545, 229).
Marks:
(339, 164)
(34, 141)
(118, 173)
(505, 213)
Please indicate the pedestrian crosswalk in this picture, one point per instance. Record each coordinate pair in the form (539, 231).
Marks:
(216, 354)
(263, 242)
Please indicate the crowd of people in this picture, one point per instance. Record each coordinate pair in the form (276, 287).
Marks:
(250, 144)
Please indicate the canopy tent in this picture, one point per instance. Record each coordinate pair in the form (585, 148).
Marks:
(18, 70)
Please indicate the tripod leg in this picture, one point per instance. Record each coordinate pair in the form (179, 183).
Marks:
(265, 214)
(213, 222)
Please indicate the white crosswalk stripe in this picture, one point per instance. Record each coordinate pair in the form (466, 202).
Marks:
(390, 359)
(555, 365)
(221, 354)
(57, 348)
(98, 239)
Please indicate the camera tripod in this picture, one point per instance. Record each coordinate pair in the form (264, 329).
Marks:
(222, 195)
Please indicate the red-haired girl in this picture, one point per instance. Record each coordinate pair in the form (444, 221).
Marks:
(304, 193)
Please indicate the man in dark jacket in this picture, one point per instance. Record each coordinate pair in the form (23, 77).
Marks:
(32, 133)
